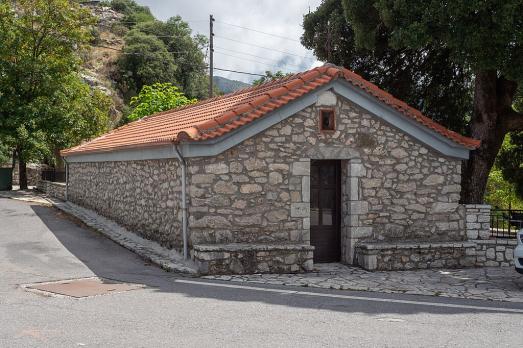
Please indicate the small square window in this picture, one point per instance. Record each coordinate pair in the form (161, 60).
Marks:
(327, 120)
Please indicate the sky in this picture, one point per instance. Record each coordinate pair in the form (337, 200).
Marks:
(241, 49)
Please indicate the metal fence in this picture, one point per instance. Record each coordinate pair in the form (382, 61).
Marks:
(505, 223)
(53, 175)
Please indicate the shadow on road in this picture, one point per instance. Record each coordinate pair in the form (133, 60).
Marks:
(107, 259)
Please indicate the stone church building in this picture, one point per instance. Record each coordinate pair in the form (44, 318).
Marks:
(321, 166)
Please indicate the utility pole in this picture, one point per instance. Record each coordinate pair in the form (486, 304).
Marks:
(211, 54)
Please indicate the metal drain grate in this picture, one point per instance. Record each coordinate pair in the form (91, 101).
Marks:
(83, 287)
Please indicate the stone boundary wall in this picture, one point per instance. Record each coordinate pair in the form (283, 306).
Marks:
(478, 221)
(34, 172)
(143, 196)
(53, 189)
(406, 256)
(495, 252)
(253, 258)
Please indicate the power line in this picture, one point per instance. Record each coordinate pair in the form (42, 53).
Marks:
(252, 55)
(259, 31)
(263, 47)
(252, 60)
(239, 72)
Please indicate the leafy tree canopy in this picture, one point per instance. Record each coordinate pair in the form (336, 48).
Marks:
(186, 52)
(145, 60)
(460, 62)
(39, 62)
(160, 52)
(156, 98)
(270, 76)
(425, 78)
(133, 12)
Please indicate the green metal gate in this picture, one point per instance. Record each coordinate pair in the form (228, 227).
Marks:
(6, 178)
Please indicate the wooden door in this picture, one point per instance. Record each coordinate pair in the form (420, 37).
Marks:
(325, 216)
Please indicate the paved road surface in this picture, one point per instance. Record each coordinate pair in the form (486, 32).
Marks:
(39, 244)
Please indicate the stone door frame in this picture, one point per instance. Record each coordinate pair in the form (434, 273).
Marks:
(352, 205)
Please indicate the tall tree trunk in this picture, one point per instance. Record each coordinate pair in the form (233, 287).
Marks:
(491, 121)
(22, 173)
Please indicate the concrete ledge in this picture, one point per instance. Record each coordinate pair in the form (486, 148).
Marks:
(412, 245)
(257, 247)
(411, 255)
(236, 258)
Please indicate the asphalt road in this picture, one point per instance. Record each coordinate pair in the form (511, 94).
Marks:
(39, 244)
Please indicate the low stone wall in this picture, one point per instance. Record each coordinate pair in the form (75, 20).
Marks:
(53, 189)
(33, 172)
(495, 252)
(405, 256)
(477, 221)
(253, 258)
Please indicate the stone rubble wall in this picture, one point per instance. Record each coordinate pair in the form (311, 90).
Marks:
(407, 256)
(478, 221)
(395, 189)
(53, 189)
(253, 258)
(143, 196)
(495, 252)
(34, 172)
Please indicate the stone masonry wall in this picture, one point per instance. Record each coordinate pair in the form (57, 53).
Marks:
(495, 252)
(406, 256)
(478, 221)
(53, 189)
(253, 258)
(396, 189)
(143, 196)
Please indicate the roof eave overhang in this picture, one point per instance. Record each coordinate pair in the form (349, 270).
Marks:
(343, 88)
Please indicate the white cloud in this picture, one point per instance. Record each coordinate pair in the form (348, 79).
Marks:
(279, 17)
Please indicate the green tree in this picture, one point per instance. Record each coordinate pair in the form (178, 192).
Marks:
(426, 78)
(156, 98)
(145, 60)
(270, 76)
(164, 52)
(41, 41)
(501, 193)
(76, 112)
(462, 46)
(510, 160)
(133, 13)
(186, 52)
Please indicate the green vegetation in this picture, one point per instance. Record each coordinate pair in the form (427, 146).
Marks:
(44, 105)
(270, 76)
(133, 12)
(500, 193)
(459, 62)
(156, 98)
(159, 52)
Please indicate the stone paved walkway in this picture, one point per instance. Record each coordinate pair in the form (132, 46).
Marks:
(492, 283)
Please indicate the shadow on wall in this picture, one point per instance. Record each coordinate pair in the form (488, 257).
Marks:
(109, 260)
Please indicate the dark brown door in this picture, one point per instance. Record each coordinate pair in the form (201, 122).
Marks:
(325, 210)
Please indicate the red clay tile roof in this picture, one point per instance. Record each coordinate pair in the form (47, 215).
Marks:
(215, 117)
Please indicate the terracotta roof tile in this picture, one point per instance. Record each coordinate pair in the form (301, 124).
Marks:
(215, 117)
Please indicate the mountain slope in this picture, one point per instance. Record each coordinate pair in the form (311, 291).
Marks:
(227, 85)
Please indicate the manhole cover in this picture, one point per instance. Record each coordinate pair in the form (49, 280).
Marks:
(83, 287)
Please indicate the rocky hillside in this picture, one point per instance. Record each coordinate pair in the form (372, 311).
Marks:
(100, 65)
